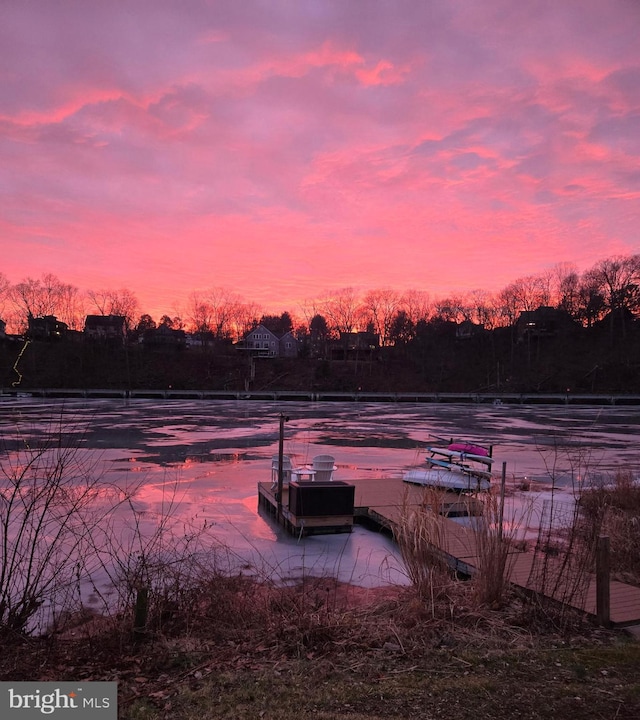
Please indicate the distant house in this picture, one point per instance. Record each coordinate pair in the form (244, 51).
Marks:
(288, 345)
(543, 322)
(467, 329)
(362, 340)
(47, 327)
(354, 344)
(164, 336)
(261, 342)
(318, 343)
(106, 327)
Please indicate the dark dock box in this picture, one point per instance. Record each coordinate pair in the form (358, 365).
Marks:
(314, 499)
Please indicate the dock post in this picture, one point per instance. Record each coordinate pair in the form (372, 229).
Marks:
(503, 483)
(283, 419)
(603, 582)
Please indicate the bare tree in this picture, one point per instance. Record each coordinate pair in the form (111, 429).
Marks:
(71, 307)
(200, 313)
(567, 289)
(30, 299)
(484, 309)
(343, 310)
(380, 307)
(101, 300)
(417, 304)
(245, 318)
(124, 303)
(526, 294)
(311, 307)
(544, 284)
(4, 293)
(115, 302)
(34, 298)
(222, 304)
(509, 304)
(454, 308)
(618, 279)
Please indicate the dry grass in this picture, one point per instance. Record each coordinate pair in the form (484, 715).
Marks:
(326, 650)
(614, 507)
(421, 539)
(495, 553)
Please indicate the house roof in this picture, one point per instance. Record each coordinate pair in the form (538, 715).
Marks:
(263, 328)
(104, 320)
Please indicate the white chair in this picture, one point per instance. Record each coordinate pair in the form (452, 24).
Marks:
(286, 470)
(323, 465)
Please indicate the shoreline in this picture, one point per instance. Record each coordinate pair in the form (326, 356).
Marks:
(494, 398)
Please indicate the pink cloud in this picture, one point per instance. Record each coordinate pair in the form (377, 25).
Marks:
(163, 145)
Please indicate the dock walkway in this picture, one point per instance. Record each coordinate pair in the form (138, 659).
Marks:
(384, 500)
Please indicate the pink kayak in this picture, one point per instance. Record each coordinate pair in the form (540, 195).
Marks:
(469, 448)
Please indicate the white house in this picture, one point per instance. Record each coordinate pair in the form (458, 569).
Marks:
(261, 342)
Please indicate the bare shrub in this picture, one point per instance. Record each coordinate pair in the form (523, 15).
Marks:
(565, 550)
(564, 560)
(151, 562)
(67, 536)
(614, 507)
(52, 498)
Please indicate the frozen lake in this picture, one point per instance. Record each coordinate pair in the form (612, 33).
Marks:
(209, 455)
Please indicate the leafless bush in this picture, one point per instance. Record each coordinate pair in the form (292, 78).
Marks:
(614, 507)
(564, 554)
(151, 562)
(563, 563)
(65, 532)
(52, 498)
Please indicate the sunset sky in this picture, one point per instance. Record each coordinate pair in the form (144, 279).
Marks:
(284, 149)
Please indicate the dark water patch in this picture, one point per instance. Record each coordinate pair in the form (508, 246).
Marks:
(179, 455)
(109, 437)
(252, 441)
(369, 441)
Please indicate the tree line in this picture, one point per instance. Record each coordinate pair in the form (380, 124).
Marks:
(611, 288)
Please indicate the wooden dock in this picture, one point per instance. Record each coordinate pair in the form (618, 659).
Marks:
(382, 502)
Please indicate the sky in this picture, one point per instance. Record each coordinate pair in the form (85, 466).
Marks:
(287, 149)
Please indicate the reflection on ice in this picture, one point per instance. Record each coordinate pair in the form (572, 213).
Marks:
(214, 453)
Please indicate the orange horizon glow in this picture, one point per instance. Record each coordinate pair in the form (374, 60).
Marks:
(287, 151)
